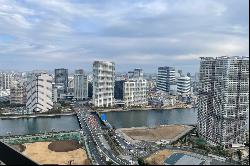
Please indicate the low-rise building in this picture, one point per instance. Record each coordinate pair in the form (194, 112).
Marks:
(161, 99)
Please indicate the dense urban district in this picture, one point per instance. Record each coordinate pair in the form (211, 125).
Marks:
(219, 92)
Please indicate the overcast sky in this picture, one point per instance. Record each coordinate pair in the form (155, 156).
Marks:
(46, 34)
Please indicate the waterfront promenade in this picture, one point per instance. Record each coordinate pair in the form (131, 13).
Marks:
(143, 109)
(36, 115)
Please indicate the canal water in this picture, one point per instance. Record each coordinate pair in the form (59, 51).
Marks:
(126, 119)
(24, 126)
(151, 118)
(148, 118)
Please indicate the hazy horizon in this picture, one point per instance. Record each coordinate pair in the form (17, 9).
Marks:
(143, 34)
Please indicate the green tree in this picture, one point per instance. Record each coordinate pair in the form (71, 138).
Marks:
(239, 153)
(141, 161)
(109, 163)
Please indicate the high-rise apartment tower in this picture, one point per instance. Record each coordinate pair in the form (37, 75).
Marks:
(103, 83)
(61, 78)
(39, 93)
(165, 78)
(80, 85)
(223, 101)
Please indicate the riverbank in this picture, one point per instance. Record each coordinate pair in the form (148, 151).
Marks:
(142, 109)
(35, 115)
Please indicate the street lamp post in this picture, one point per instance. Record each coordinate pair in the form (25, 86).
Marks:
(53, 129)
(70, 161)
(9, 135)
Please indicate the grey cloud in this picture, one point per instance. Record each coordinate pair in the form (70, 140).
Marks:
(139, 33)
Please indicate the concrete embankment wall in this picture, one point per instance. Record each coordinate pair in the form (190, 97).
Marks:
(71, 135)
(139, 109)
(36, 116)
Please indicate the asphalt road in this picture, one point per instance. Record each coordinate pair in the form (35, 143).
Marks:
(93, 134)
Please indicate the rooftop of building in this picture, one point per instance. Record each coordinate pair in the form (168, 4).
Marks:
(104, 62)
(226, 57)
(166, 67)
(79, 71)
(39, 71)
(183, 159)
(61, 69)
(184, 77)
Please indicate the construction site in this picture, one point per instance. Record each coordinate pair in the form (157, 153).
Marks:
(62, 148)
(164, 133)
(57, 152)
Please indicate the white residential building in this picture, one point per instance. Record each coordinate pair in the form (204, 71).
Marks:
(5, 80)
(183, 85)
(80, 85)
(103, 83)
(39, 92)
(18, 94)
(4, 95)
(135, 92)
(223, 101)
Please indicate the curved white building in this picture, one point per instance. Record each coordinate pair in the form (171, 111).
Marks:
(183, 84)
(39, 93)
(4, 95)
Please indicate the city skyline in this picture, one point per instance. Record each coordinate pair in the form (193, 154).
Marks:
(133, 34)
(124, 82)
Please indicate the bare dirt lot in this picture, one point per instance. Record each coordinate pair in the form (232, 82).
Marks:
(159, 157)
(58, 152)
(64, 146)
(168, 132)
